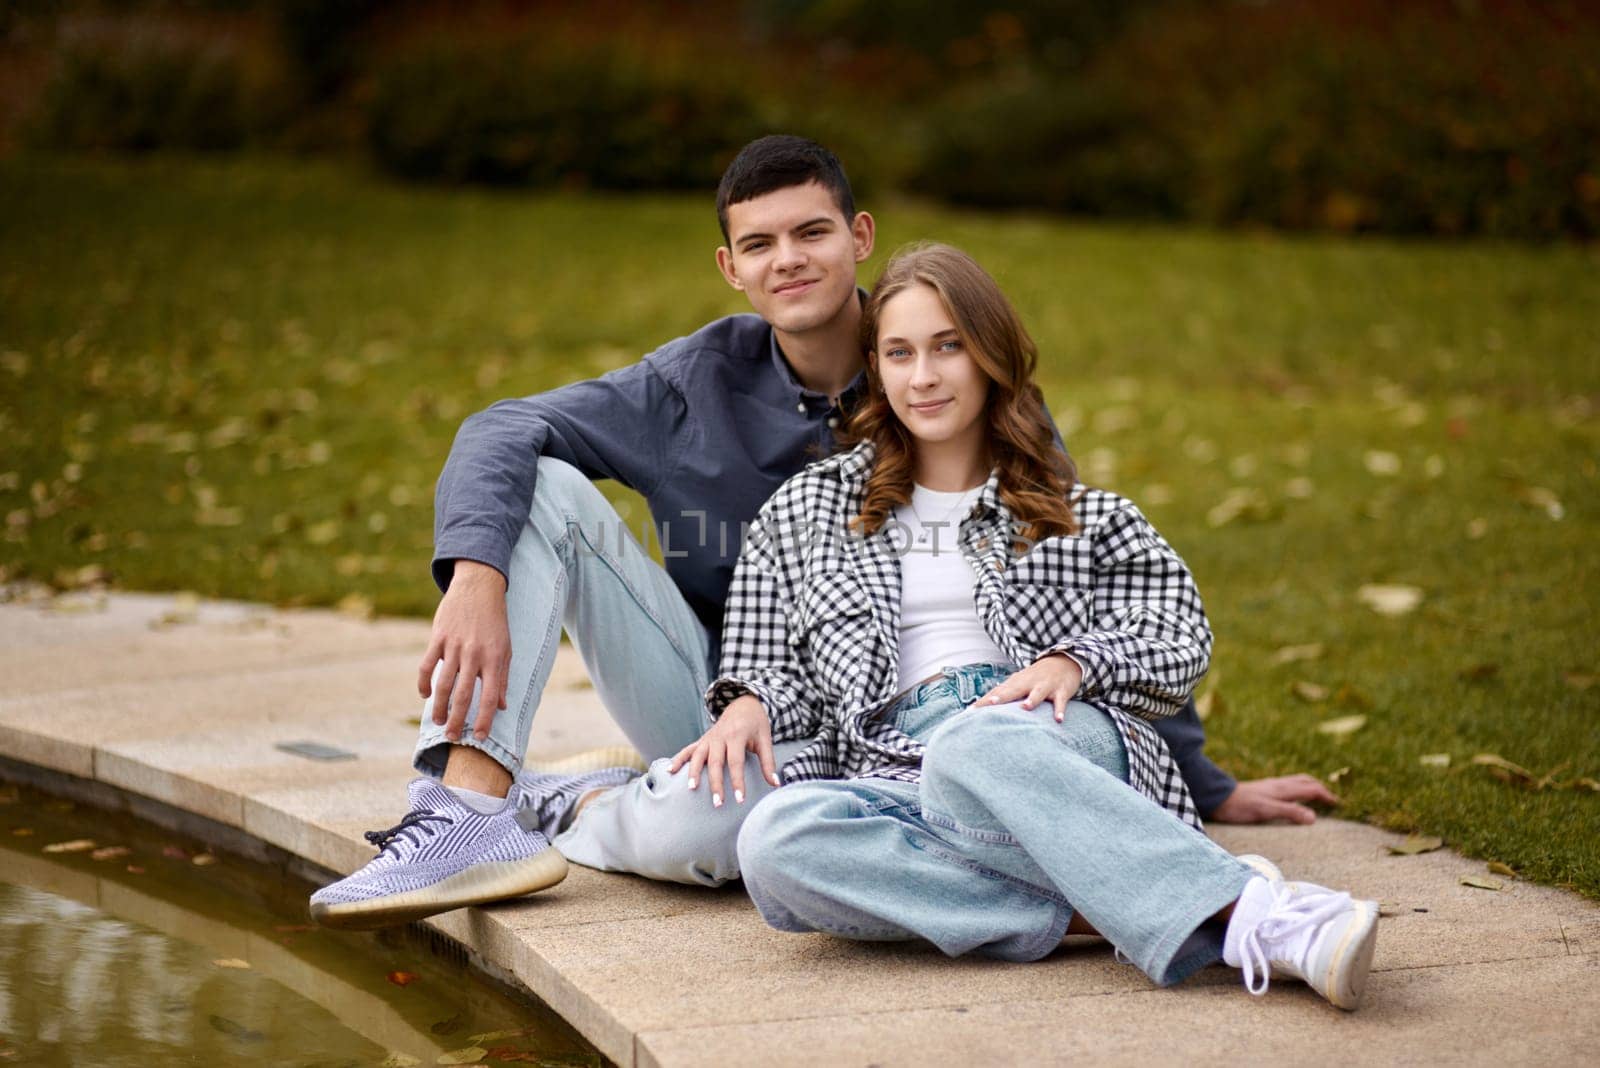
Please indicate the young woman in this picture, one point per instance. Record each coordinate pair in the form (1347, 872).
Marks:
(978, 643)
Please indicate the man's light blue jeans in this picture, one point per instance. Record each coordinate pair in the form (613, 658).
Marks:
(1018, 822)
(576, 566)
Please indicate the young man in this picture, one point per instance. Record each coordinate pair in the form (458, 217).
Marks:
(706, 427)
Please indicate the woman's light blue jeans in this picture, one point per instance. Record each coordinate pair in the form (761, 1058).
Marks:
(575, 566)
(1018, 822)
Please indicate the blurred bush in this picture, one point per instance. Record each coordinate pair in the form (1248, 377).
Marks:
(1445, 118)
(138, 86)
(515, 112)
(1429, 116)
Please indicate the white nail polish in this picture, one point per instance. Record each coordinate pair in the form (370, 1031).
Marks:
(693, 783)
(716, 801)
(738, 795)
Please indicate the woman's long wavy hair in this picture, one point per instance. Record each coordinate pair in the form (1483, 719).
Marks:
(1036, 476)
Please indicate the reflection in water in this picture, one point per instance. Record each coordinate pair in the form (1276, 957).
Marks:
(97, 990)
(139, 955)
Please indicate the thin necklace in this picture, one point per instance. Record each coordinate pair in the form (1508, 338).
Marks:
(922, 536)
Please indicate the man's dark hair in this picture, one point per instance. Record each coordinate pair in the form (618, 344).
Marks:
(779, 161)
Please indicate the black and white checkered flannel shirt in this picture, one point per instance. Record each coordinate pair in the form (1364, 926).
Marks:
(813, 618)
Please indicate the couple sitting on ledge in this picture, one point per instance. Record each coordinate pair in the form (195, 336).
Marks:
(930, 687)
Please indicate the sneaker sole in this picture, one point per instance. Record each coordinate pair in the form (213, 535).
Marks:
(614, 756)
(1345, 977)
(478, 885)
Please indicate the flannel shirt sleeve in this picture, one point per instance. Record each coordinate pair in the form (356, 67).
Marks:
(1150, 643)
(757, 655)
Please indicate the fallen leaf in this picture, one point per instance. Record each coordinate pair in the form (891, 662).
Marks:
(110, 853)
(1291, 653)
(403, 978)
(173, 852)
(462, 1056)
(1592, 785)
(219, 517)
(1382, 464)
(22, 832)
(202, 860)
(1338, 775)
(231, 962)
(1210, 704)
(513, 1055)
(1580, 682)
(1308, 691)
(1416, 843)
(1389, 908)
(1479, 672)
(1240, 503)
(1479, 882)
(134, 869)
(1497, 868)
(1342, 725)
(1549, 777)
(1542, 499)
(1477, 528)
(397, 1059)
(1503, 769)
(322, 533)
(1434, 760)
(1390, 600)
(77, 845)
(1299, 488)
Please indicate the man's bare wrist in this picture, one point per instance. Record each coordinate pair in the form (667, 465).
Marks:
(475, 574)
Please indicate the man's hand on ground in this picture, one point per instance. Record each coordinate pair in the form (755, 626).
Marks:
(1283, 798)
(471, 641)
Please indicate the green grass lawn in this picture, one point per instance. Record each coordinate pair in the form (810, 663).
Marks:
(241, 379)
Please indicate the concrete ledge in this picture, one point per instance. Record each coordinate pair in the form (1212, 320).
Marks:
(189, 715)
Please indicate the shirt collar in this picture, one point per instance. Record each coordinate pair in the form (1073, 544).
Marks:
(851, 393)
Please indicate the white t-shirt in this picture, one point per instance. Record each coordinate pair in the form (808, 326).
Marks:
(939, 625)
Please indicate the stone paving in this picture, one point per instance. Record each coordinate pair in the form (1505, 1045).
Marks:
(185, 703)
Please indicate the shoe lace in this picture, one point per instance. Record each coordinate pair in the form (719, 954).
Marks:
(413, 823)
(1287, 928)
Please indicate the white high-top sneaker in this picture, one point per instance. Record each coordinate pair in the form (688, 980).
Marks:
(1303, 931)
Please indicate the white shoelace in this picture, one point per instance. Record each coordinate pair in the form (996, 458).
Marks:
(1290, 924)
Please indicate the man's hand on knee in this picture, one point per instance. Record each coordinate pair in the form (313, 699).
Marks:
(1283, 798)
(471, 641)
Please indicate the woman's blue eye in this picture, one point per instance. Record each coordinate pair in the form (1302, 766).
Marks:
(951, 345)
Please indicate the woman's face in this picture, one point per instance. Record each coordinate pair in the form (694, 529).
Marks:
(935, 387)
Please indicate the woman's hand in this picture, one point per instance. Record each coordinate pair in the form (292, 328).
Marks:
(743, 727)
(1054, 678)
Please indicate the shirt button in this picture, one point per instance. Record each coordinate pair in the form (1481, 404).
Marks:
(801, 407)
(833, 421)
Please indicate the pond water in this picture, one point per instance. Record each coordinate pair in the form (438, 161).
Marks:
(124, 944)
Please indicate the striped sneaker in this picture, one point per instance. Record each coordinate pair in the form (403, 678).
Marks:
(442, 855)
(550, 796)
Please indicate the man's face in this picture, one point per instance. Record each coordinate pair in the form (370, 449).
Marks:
(793, 253)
